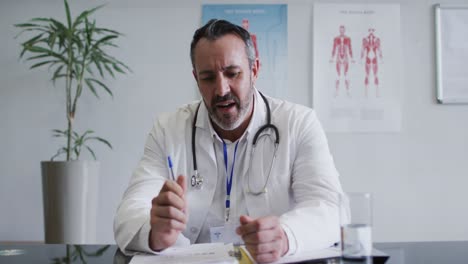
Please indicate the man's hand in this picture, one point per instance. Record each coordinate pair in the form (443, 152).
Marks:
(264, 238)
(168, 214)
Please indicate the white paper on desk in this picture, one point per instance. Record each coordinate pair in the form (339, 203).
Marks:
(325, 253)
(313, 254)
(196, 253)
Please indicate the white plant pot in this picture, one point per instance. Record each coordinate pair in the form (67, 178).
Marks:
(70, 191)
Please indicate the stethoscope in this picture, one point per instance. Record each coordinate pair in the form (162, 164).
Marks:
(197, 180)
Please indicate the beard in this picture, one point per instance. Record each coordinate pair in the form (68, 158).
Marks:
(229, 121)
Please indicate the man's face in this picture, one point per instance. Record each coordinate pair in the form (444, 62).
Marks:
(225, 80)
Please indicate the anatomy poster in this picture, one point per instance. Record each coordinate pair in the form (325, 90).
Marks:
(267, 25)
(357, 67)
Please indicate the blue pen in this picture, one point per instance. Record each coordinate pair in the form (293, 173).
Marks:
(170, 167)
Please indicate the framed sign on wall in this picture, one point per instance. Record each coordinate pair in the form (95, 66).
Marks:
(451, 32)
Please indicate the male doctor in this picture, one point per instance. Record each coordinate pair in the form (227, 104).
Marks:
(278, 202)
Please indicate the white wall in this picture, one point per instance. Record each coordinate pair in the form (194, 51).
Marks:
(418, 176)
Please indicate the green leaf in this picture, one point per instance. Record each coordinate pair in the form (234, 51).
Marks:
(86, 133)
(57, 77)
(77, 152)
(67, 11)
(117, 68)
(22, 52)
(59, 152)
(37, 49)
(98, 66)
(109, 70)
(91, 87)
(89, 70)
(88, 32)
(110, 44)
(31, 29)
(102, 140)
(117, 62)
(53, 64)
(102, 85)
(56, 261)
(52, 39)
(57, 131)
(77, 68)
(42, 19)
(92, 152)
(60, 26)
(38, 57)
(79, 141)
(101, 30)
(27, 25)
(103, 40)
(100, 251)
(41, 63)
(80, 254)
(33, 40)
(85, 14)
(57, 73)
(80, 47)
(75, 135)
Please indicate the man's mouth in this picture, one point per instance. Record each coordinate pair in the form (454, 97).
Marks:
(226, 105)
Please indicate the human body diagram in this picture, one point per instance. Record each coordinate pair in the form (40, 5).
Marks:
(342, 56)
(371, 50)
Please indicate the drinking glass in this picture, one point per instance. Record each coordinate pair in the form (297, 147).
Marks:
(356, 226)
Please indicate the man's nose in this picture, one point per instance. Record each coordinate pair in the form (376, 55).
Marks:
(222, 86)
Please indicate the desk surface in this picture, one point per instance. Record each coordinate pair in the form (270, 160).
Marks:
(400, 253)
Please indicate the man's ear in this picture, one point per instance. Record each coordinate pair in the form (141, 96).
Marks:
(255, 69)
(195, 75)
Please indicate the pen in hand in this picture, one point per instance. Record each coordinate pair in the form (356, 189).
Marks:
(169, 161)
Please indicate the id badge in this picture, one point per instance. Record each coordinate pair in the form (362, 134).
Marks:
(225, 234)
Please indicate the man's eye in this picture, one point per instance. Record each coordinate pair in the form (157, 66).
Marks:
(232, 74)
(208, 78)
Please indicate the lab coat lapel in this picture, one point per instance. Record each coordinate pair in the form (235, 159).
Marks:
(204, 140)
(201, 200)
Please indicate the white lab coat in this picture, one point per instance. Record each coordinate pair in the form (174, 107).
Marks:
(303, 188)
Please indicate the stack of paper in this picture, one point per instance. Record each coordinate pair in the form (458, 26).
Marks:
(196, 253)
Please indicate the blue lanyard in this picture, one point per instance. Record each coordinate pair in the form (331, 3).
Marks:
(229, 180)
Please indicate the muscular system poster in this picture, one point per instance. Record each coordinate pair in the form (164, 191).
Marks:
(356, 64)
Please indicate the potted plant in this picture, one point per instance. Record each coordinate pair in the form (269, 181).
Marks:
(76, 54)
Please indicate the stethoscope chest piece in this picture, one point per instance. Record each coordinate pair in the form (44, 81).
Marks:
(196, 181)
(264, 190)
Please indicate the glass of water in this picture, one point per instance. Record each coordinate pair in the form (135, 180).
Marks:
(356, 226)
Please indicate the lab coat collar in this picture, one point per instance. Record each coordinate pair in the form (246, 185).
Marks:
(258, 117)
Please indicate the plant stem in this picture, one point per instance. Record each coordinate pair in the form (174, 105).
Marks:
(70, 113)
(69, 119)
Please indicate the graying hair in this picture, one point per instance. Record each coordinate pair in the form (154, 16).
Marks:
(217, 28)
